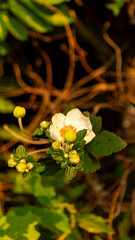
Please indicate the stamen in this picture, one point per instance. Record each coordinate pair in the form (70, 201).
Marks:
(69, 127)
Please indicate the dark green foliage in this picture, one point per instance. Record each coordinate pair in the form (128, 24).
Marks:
(105, 144)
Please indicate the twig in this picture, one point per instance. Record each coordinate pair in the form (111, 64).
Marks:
(21, 127)
(38, 151)
(118, 58)
(6, 127)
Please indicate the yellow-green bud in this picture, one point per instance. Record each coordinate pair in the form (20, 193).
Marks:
(23, 161)
(72, 152)
(70, 136)
(29, 165)
(66, 155)
(44, 124)
(21, 167)
(56, 145)
(11, 163)
(19, 112)
(74, 158)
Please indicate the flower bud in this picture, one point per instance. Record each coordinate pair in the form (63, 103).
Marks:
(29, 165)
(72, 152)
(21, 167)
(74, 158)
(66, 155)
(70, 136)
(44, 124)
(11, 163)
(56, 145)
(19, 112)
(23, 161)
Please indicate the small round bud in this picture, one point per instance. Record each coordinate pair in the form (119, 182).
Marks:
(70, 136)
(11, 163)
(29, 165)
(72, 152)
(66, 155)
(21, 167)
(19, 112)
(56, 145)
(74, 158)
(23, 161)
(44, 124)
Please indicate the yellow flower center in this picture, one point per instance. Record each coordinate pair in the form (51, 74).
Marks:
(66, 128)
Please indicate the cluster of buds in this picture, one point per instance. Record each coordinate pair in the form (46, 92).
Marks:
(69, 154)
(21, 166)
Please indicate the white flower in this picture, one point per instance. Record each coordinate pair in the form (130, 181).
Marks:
(75, 121)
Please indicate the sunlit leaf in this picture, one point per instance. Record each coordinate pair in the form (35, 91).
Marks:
(3, 30)
(28, 17)
(17, 29)
(93, 224)
(6, 106)
(54, 2)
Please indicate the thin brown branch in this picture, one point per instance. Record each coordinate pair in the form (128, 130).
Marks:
(21, 138)
(118, 58)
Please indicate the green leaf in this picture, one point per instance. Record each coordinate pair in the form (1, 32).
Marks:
(21, 185)
(91, 164)
(70, 172)
(52, 218)
(28, 17)
(77, 191)
(69, 107)
(56, 19)
(80, 135)
(93, 224)
(60, 18)
(38, 168)
(44, 195)
(3, 30)
(19, 224)
(4, 48)
(106, 143)
(38, 132)
(115, 6)
(125, 238)
(5, 237)
(86, 114)
(21, 152)
(54, 2)
(51, 169)
(58, 155)
(17, 29)
(75, 235)
(96, 124)
(6, 106)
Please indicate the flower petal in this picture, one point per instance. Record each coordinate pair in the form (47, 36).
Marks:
(77, 120)
(58, 120)
(89, 136)
(55, 133)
